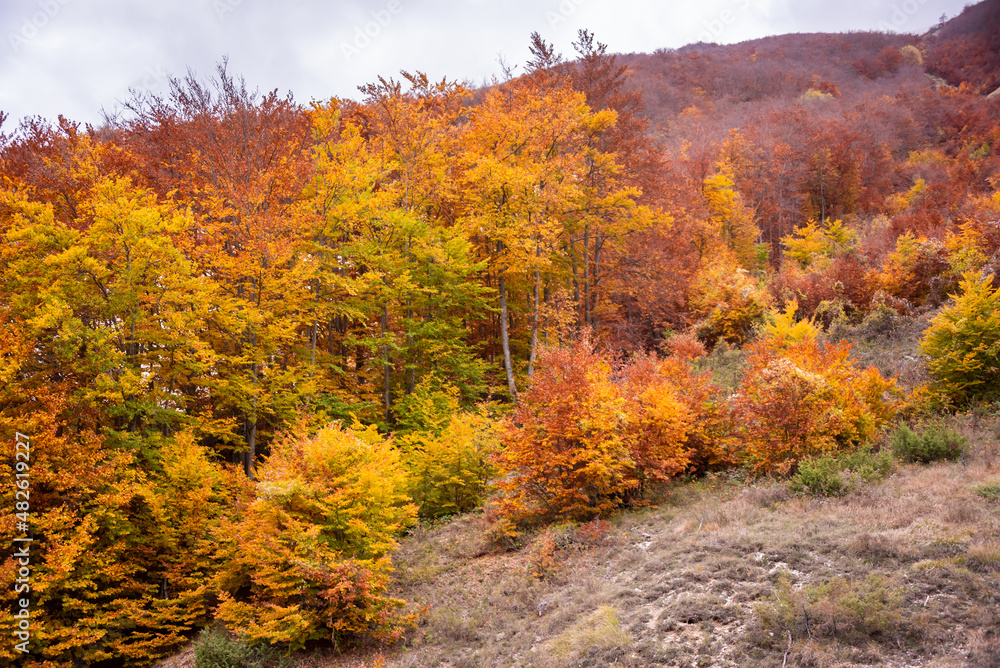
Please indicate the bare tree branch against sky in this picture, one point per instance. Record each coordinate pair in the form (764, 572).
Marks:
(73, 57)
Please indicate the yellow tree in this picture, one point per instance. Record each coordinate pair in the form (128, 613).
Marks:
(107, 315)
(311, 551)
(239, 160)
(526, 161)
(389, 265)
(731, 224)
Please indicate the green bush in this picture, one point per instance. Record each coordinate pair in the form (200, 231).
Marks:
(849, 610)
(935, 443)
(989, 491)
(867, 465)
(821, 476)
(217, 649)
(963, 343)
(834, 475)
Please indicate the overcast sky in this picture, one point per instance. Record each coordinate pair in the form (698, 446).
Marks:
(73, 57)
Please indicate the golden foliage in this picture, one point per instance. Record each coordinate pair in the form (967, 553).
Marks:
(803, 399)
(309, 557)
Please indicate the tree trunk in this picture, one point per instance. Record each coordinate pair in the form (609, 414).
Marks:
(576, 279)
(312, 346)
(504, 340)
(385, 361)
(252, 430)
(598, 245)
(586, 275)
(411, 373)
(534, 328)
(251, 443)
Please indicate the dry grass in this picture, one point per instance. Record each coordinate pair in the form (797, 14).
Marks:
(596, 636)
(183, 659)
(680, 584)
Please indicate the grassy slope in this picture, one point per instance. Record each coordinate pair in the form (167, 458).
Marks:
(682, 579)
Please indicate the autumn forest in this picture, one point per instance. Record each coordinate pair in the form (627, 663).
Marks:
(253, 342)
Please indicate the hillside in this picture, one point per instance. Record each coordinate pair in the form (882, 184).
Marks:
(680, 358)
(902, 573)
(723, 571)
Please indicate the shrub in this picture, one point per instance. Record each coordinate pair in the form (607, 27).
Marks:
(868, 466)
(709, 427)
(826, 289)
(216, 649)
(852, 611)
(448, 468)
(807, 399)
(916, 270)
(811, 244)
(445, 449)
(783, 329)
(833, 475)
(989, 491)
(309, 556)
(731, 304)
(967, 249)
(821, 476)
(657, 423)
(911, 55)
(579, 444)
(543, 560)
(813, 95)
(963, 343)
(935, 443)
(566, 454)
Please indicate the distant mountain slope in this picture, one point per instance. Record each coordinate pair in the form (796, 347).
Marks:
(966, 49)
(784, 66)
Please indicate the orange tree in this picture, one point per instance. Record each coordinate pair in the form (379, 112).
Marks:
(579, 444)
(566, 456)
(710, 426)
(659, 420)
(806, 398)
